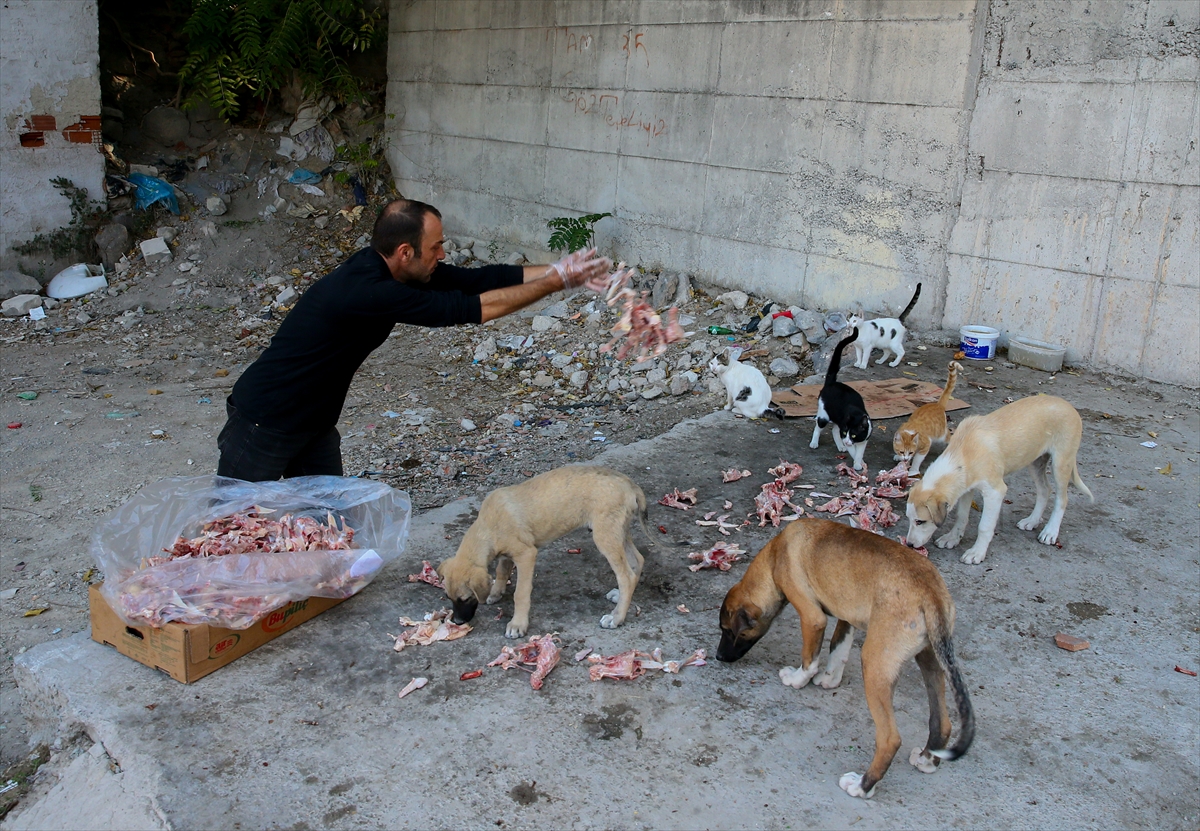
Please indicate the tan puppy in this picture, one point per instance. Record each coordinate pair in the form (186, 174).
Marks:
(514, 521)
(982, 452)
(865, 581)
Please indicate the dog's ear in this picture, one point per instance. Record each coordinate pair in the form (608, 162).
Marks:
(938, 511)
(747, 618)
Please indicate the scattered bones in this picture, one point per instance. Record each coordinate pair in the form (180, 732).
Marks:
(787, 472)
(427, 574)
(414, 684)
(678, 498)
(770, 501)
(863, 505)
(721, 556)
(733, 474)
(632, 664)
(435, 627)
(719, 522)
(540, 652)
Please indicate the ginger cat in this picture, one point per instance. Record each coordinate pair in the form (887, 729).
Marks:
(925, 426)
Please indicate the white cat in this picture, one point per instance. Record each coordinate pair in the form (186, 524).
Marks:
(747, 392)
(885, 333)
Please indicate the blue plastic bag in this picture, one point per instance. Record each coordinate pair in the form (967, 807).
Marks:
(301, 176)
(151, 190)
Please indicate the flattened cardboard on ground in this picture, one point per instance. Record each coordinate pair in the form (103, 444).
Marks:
(188, 651)
(887, 398)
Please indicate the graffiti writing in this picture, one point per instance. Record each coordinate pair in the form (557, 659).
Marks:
(607, 106)
(573, 41)
(631, 42)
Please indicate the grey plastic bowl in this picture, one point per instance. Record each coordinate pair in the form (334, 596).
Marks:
(1036, 353)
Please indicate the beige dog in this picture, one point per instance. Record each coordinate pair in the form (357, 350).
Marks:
(514, 521)
(865, 581)
(1032, 432)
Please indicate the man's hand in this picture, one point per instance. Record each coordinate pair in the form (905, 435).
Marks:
(580, 267)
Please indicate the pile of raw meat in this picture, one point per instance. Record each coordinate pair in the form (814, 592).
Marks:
(865, 505)
(541, 653)
(248, 553)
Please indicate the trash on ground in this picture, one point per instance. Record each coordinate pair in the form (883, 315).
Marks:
(682, 609)
(539, 652)
(414, 684)
(76, 281)
(1069, 642)
(436, 626)
(678, 498)
(721, 556)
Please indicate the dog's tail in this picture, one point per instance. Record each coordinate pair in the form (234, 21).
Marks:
(943, 648)
(910, 305)
(1077, 481)
(951, 377)
(643, 515)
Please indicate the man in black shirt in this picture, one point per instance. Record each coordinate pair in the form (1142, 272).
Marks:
(284, 408)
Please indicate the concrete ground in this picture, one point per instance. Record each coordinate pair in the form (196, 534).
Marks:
(308, 732)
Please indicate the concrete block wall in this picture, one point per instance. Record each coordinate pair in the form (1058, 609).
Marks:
(760, 145)
(1080, 219)
(49, 115)
(1032, 163)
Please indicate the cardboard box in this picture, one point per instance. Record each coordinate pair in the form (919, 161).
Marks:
(187, 651)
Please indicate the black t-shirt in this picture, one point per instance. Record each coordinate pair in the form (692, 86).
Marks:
(299, 383)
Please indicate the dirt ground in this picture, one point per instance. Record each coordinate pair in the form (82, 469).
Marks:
(130, 387)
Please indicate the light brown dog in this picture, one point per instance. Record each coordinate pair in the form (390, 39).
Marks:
(1033, 432)
(865, 581)
(514, 521)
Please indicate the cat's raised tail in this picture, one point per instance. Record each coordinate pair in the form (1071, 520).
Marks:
(951, 377)
(835, 363)
(910, 305)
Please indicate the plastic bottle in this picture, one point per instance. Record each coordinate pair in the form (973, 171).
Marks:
(719, 330)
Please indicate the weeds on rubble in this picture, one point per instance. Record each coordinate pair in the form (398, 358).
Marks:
(250, 48)
(76, 236)
(573, 233)
(14, 780)
(361, 162)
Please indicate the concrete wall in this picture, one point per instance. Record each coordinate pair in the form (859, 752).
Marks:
(1080, 218)
(49, 115)
(833, 152)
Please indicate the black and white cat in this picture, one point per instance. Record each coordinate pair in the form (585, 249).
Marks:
(886, 333)
(843, 407)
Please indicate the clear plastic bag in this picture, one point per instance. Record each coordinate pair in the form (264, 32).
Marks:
(235, 590)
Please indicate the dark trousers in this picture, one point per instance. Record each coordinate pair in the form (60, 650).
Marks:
(259, 454)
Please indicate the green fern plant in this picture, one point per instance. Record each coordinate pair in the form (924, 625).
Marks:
(76, 236)
(250, 48)
(572, 233)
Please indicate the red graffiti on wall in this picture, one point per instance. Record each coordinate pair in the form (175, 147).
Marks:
(607, 107)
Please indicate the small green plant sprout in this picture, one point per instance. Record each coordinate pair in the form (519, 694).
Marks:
(573, 233)
(75, 237)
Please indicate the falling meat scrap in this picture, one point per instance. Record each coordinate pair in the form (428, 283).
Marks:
(435, 627)
(626, 666)
(721, 556)
(427, 574)
(679, 499)
(641, 327)
(540, 652)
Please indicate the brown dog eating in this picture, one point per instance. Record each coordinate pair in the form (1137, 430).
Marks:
(865, 581)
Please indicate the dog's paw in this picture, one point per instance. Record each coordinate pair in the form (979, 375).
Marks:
(613, 596)
(516, 630)
(922, 761)
(851, 783)
(829, 680)
(949, 540)
(610, 622)
(972, 557)
(797, 677)
(1028, 524)
(494, 598)
(1048, 536)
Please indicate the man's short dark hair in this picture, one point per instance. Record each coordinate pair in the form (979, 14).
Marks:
(401, 221)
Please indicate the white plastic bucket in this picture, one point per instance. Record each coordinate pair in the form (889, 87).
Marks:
(979, 342)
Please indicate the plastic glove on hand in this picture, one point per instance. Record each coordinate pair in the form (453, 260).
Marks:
(579, 267)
